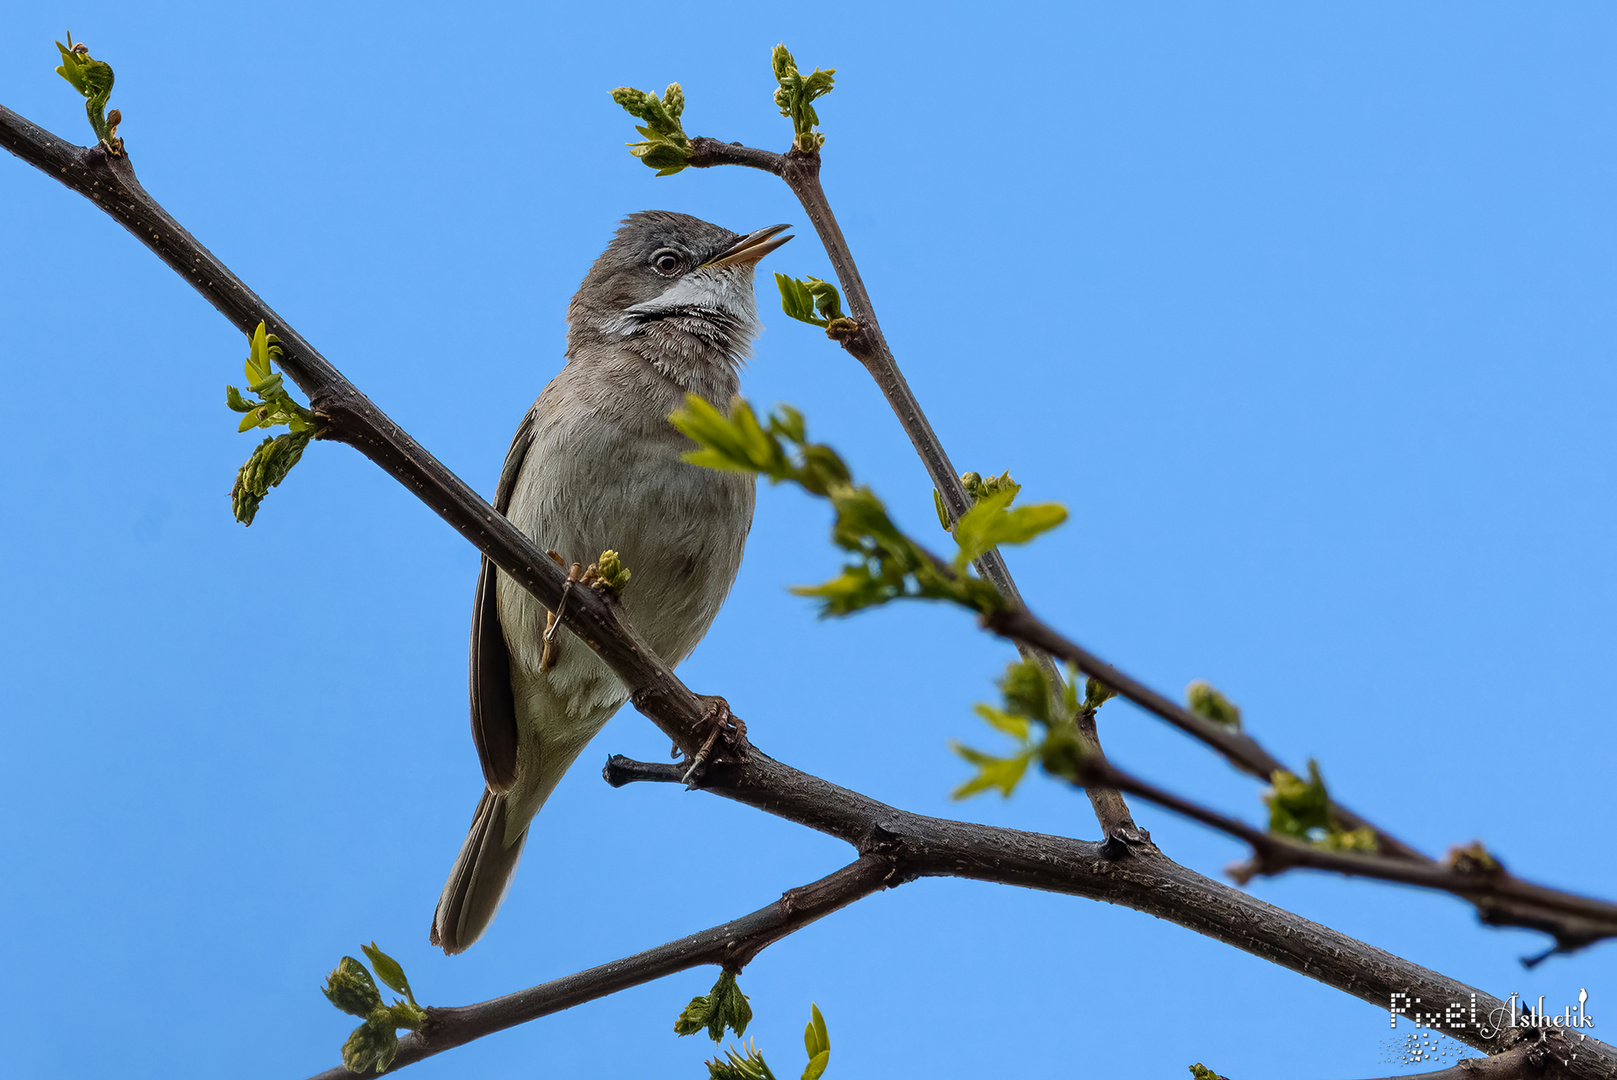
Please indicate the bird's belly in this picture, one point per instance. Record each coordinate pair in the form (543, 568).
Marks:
(678, 528)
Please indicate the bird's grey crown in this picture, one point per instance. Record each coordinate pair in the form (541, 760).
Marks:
(694, 325)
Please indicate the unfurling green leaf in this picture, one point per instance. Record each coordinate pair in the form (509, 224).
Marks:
(93, 79)
(389, 970)
(992, 772)
(796, 96)
(1207, 702)
(1041, 718)
(1302, 810)
(815, 302)
(817, 1041)
(725, 1006)
(664, 146)
(991, 522)
(886, 564)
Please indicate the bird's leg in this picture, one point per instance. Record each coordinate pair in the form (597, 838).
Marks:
(723, 724)
(552, 647)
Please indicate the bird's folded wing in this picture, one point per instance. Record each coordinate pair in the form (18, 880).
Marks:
(494, 717)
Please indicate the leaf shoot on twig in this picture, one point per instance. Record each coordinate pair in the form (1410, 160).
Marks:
(663, 144)
(1302, 810)
(1039, 720)
(815, 302)
(725, 1006)
(273, 458)
(887, 565)
(375, 1042)
(796, 96)
(93, 79)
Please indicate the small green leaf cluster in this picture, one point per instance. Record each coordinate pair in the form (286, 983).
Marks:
(374, 1043)
(1473, 858)
(887, 564)
(1199, 1071)
(977, 488)
(815, 302)
(750, 1064)
(1205, 701)
(725, 1006)
(796, 96)
(1302, 810)
(93, 79)
(610, 573)
(274, 457)
(991, 522)
(1043, 734)
(665, 147)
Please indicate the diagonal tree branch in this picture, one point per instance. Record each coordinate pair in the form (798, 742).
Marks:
(1501, 898)
(1525, 1061)
(731, 945)
(912, 844)
(1237, 747)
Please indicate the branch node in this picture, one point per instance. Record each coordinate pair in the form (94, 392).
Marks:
(1120, 842)
(620, 771)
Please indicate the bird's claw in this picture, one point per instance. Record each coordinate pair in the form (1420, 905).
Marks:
(722, 723)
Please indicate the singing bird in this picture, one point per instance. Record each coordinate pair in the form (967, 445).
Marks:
(667, 310)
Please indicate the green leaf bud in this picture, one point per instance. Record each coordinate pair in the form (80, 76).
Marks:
(1207, 702)
(351, 989)
(373, 1045)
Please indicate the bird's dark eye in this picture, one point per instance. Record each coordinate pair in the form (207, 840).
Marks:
(667, 263)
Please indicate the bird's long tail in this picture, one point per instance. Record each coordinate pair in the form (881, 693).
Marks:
(481, 874)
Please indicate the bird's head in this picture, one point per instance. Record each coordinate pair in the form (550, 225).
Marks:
(680, 282)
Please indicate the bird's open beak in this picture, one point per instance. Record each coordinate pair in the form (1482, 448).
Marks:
(750, 248)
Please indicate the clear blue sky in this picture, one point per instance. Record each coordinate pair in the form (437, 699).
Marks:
(1307, 314)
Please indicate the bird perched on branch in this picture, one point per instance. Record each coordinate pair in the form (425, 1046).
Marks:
(667, 310)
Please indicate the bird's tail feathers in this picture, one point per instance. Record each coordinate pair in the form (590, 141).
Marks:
(479, 879)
